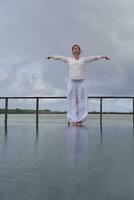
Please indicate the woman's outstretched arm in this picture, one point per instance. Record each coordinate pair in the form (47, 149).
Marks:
(94, 58)
(58, 57)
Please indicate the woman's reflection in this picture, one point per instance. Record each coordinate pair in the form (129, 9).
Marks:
(76, 144)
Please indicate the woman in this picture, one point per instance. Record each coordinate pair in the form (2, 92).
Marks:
(77, 99)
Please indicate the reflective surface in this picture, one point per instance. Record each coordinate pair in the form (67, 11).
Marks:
(60, 162)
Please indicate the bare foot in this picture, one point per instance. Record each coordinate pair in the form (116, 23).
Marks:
(74, 123)
(79, 123)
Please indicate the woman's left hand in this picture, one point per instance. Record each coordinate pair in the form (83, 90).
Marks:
(106, 57)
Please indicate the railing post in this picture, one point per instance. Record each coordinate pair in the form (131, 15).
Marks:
(133, 111)
(37, 110)
(6, 109)
(101, 110)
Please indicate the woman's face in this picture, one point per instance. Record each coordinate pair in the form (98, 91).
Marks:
(76, 50)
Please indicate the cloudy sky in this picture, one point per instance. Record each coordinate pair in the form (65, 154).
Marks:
(33, 29)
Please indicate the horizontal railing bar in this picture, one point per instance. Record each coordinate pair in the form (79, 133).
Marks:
(64, 97)
(65, 113)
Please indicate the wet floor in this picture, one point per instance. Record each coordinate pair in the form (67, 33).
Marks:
(66, 163)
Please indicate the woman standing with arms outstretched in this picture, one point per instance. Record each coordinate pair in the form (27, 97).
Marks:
(77, 99)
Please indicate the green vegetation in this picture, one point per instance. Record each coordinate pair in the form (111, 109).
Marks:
(28, 111)
(47, 111)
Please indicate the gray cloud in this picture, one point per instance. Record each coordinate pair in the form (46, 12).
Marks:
(31, 30)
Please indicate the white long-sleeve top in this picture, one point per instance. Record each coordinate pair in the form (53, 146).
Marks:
(76, 66)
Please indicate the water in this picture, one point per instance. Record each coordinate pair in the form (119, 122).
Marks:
(68, 163)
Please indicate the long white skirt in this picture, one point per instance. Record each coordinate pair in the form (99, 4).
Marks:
(77, 100)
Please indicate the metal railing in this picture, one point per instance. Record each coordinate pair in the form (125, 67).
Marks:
(64, 97)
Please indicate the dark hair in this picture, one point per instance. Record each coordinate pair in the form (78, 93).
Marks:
(75, 46)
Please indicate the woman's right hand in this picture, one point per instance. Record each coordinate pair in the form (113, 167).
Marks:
(49, 57)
